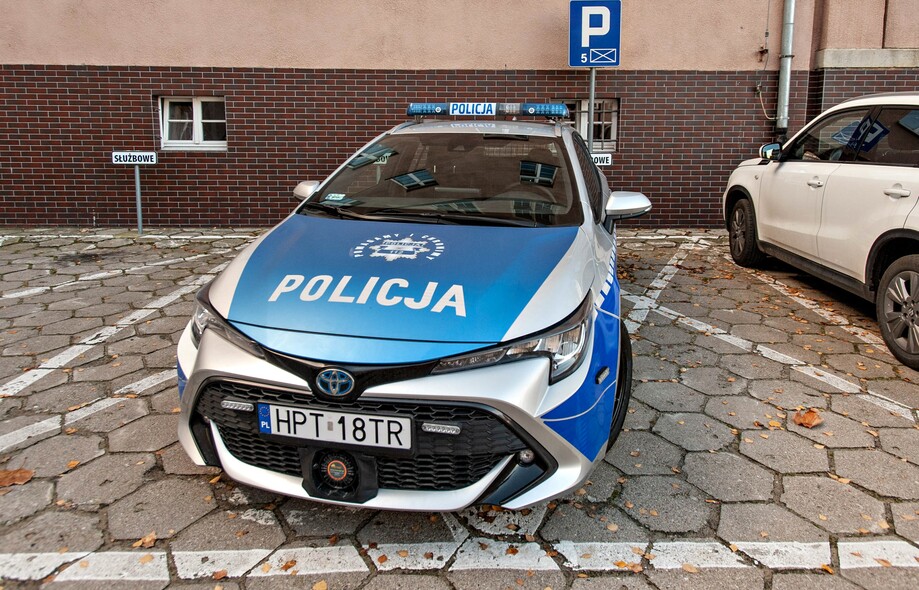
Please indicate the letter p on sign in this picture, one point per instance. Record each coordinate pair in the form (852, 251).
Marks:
(589, 28)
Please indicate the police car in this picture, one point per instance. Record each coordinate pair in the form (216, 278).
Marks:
(436, 325)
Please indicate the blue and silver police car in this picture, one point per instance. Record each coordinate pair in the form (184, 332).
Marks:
(436, 325)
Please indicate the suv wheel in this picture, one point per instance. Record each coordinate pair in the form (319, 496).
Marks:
(742, 234)
(898, 309)
(623, 385)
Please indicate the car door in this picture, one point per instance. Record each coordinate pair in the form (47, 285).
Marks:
(792, 189)
(872, 194)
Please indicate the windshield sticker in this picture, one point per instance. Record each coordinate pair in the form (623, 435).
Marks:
(334, 197)
(392, 247)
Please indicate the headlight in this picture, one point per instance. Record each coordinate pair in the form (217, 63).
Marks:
(563, 344)
(206, 318)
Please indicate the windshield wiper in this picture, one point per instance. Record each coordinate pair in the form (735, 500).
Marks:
(340, 212)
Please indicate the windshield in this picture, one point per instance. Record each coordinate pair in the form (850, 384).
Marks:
(458, 177)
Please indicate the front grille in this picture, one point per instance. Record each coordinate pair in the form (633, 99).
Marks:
(440, 462)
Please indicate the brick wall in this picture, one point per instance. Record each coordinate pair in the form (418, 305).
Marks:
(680, 134)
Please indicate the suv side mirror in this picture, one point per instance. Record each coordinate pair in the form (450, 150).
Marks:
(305, 189)
(626, 204)
(771, 151)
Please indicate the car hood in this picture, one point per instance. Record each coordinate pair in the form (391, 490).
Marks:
(750, 162)
(398, 282)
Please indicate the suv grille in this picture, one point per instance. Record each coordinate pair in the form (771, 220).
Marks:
(440, 462)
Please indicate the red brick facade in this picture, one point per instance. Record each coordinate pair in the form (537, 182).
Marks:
(680, 133)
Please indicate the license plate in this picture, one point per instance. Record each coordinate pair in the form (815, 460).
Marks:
(388, 432)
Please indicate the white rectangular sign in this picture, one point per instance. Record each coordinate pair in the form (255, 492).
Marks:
(133, 158)
(602, 159)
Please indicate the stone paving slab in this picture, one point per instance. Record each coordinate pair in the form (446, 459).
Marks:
(702, 382)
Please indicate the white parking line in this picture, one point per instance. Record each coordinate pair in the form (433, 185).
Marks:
(673, 555)
(638, 314)
(787, 555)
(107, 274)
(488, 554)
(600, 556)
(34, 566)
(341, 559)
(18, 384)
(822, 375)
(885, 553)
(203, 564)
(132, 566)
(829, 315)
(17, 437)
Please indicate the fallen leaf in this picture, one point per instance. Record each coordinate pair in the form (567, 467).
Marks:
(807, 419)
(84, 564)
(638, 551)
(429, 555)
(333, 540)
(612, 527)
(146, 558)
(403, 553)
(147, 541)
(688, 567)
(219, 575)
(214, 480)
(483, 546)
(883, 562)
(821, 517)
(288, 564)
(15, 477)
(512, 550)
(827, 569)
(382, 559)
(266, 567)
(586, 556)
(733, 547)
(321, 585)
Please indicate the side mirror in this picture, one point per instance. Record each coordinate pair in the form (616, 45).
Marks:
(626, 204)
(771, 151)
(305, 189)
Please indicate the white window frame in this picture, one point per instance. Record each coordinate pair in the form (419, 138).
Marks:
(197, 142)
(606, 112)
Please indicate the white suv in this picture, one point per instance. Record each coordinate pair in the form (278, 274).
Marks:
(838, 201)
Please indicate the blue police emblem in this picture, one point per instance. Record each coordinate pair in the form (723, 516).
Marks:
(335, 382)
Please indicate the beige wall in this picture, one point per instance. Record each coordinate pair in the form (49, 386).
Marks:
(416, 34)
(902, 24)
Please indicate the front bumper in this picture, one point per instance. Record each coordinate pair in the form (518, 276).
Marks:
(498, 407)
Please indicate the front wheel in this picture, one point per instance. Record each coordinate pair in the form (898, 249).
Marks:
(623, 385)
(897, 307)
(742, 234)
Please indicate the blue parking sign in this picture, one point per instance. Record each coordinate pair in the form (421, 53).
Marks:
(593, 33)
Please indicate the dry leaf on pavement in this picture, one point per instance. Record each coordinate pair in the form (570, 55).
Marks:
(15, 477)
(807, 419)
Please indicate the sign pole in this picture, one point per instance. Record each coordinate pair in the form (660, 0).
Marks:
(140, 215)
(590, 110)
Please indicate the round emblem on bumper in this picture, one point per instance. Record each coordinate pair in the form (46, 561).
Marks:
(337, 470)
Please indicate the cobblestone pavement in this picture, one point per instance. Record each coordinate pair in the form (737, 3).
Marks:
(711, 484)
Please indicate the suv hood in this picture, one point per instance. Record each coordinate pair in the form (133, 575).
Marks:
(315, 277)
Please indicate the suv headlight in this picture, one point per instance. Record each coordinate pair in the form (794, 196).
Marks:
(207, 318)
(564, 345)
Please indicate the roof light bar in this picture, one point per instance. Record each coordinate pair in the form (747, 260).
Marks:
(480, 109)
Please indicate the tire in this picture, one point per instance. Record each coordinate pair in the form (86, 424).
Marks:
(897, 306)
(742, 235)
(623, 385)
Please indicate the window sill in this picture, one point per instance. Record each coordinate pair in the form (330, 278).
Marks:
(194, 148)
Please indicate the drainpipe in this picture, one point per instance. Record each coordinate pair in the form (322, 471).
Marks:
(788, 31)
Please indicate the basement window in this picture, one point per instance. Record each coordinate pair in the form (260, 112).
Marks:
(193, 123)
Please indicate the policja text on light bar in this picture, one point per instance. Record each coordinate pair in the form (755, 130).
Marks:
(488, 109)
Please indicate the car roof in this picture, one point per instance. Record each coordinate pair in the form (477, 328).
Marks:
(482, 126)
(896, 98)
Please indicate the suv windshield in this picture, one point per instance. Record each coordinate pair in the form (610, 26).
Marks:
(456, 178)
